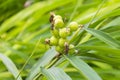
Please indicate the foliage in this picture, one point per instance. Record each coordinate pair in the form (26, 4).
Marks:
(23, 30)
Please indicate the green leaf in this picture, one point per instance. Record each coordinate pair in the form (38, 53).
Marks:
(106, 59)
(114, 22)
(55, 74)
(49, 55)
(105, 50)
(84, 68)
(104, 37)
(10, 66)
(106, 12)
(115, 12)
(40, 7)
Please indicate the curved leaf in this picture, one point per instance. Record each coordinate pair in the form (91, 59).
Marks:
(55, 74)
(104, 37)
(49, 55)
(84, 68)
(41, 7)
(105, 50)
(10, 66)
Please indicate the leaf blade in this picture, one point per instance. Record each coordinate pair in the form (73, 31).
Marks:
(84, 68)
(103, 37)
(55, 74)
(10, 66)
(105, 50)
(50, 54)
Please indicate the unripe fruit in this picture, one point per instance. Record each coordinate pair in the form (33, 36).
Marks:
(62, 42)
(71, 46)
(71, 51)
(53, 40)
(57, 17)
(64, 32)
(59, 49)
(55, 33)
(73, 26)
(70, 32)
(58, 23)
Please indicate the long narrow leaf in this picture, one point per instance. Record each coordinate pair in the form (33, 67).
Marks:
(84, 68)
(104, 37)
(10, 66)
(55, 74)
(49, 55)
(43, 7)
(105, 50)
(114, 22)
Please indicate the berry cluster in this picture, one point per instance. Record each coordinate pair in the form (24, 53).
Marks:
(60, 34)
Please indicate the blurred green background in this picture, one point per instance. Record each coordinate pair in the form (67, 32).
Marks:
(25, 22)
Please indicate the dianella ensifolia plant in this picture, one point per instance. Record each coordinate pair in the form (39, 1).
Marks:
(80, 41)
(60, 34)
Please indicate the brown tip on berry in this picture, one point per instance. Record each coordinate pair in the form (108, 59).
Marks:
(51, 17)
(47, 41)
(81, 26)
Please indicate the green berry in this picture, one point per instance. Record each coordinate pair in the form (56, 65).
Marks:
(59, 23)
(71, 46)
(57, 17)
(73, 26)
(55, 33)
(58, 48)
(64, 32)
(71, 51)
(69, 32)
(62, 42)
(53, 40)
